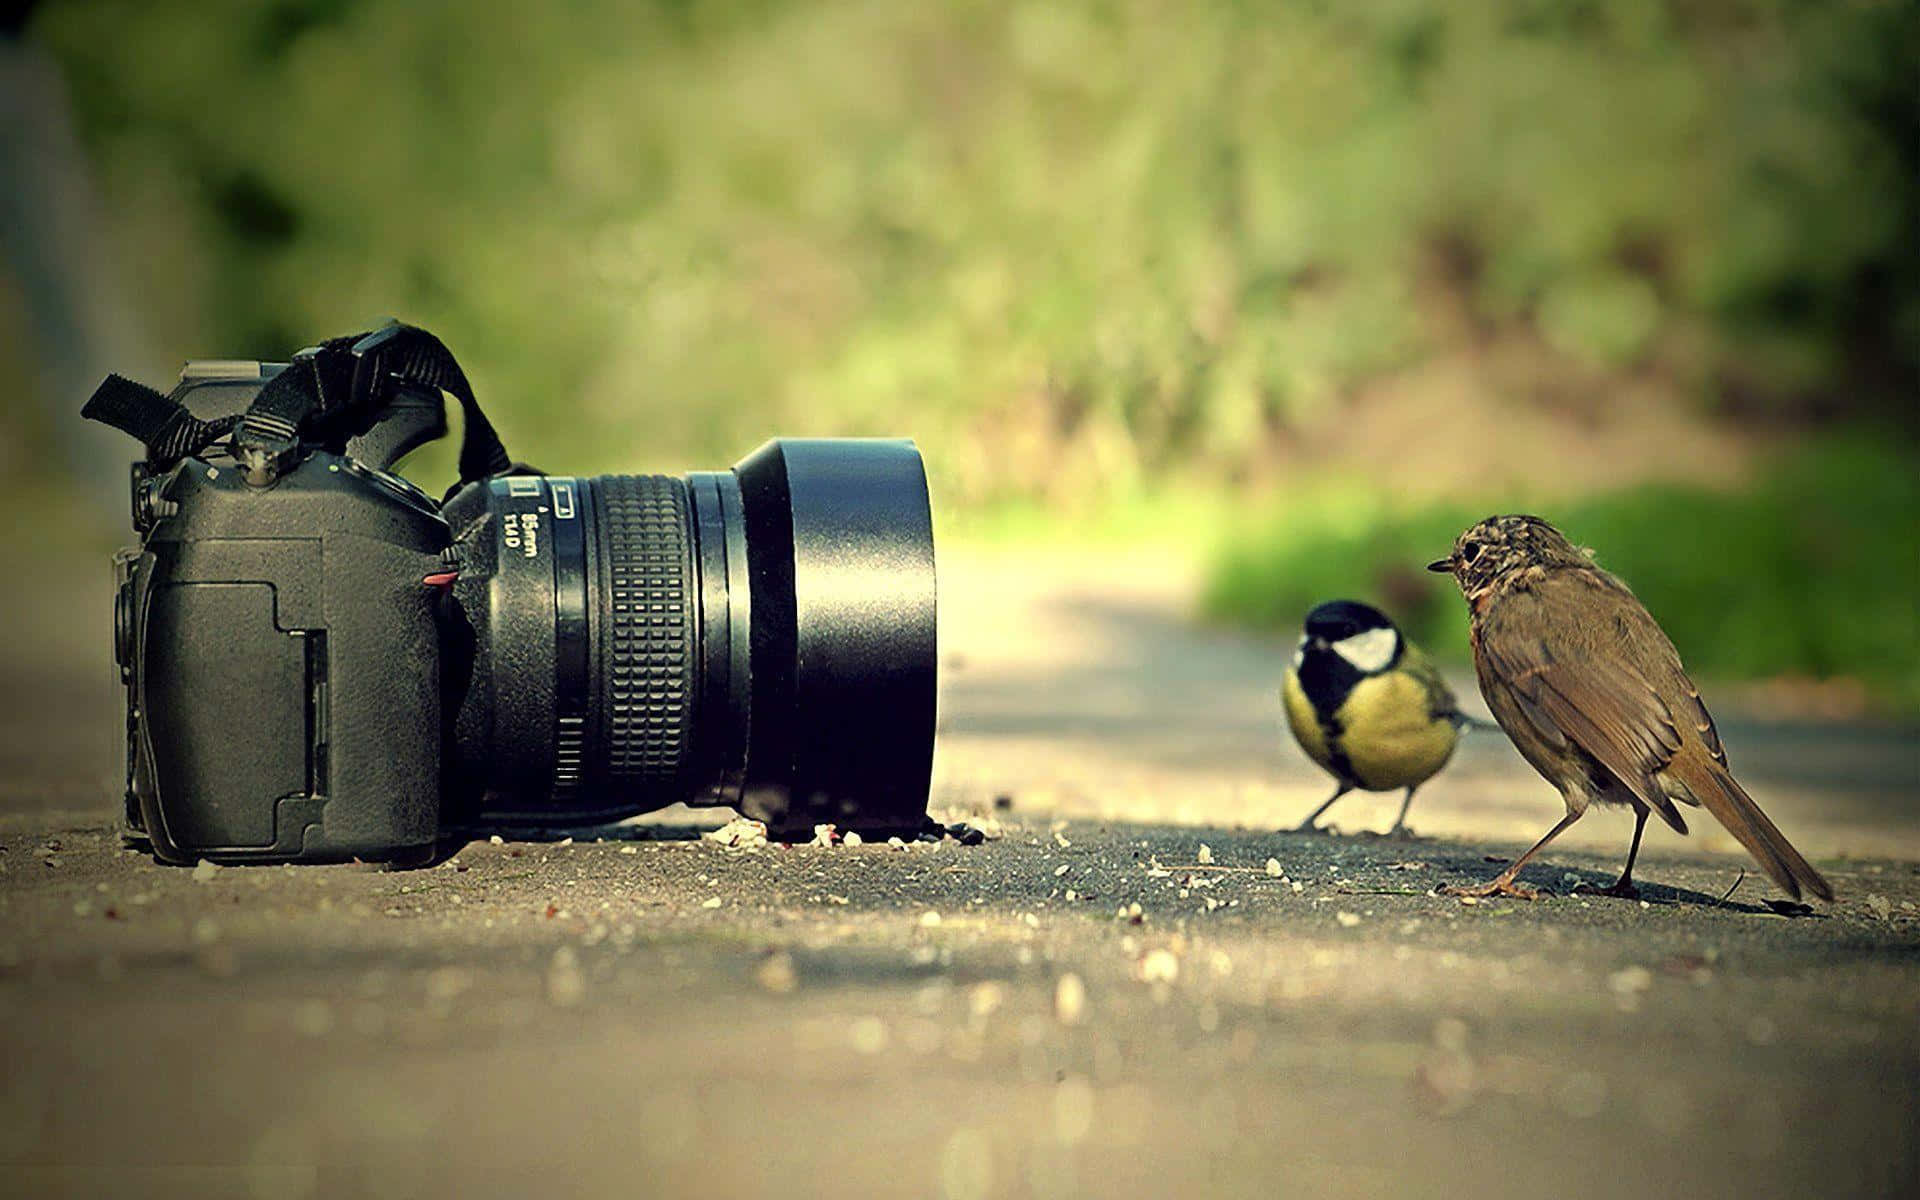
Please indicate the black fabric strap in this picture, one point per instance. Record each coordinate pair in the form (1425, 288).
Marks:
(339, 389)
(409, 354)
(160, 423)
(325, 397)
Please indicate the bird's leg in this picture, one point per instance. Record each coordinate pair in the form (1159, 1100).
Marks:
(1623, 886)
(1503, 884)
(1400, 822)
(1307, 826)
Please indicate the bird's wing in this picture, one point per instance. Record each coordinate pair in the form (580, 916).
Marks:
(1579, 678)
(1570, 684)
(1440, 698)
(1696, 710)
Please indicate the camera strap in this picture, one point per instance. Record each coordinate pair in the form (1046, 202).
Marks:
(160, 423)
(339, 389)
(328, 395)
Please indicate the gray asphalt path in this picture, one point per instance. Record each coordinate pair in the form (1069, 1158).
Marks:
(648, 1012)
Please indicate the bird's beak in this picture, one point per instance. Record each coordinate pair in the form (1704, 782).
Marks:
(1441, 566)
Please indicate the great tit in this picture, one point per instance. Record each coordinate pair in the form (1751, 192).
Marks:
(1368, 705)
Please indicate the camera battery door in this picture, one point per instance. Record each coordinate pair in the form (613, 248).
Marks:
(286, 676)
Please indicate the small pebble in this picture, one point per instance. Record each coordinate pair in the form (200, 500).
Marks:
(1206, 855)
(1160, 966)
(868, 1035)
(1627, 984)
(1273, 867)
(776, 973)
(566, 983)
(1073, 1111)
(205, 871)
(1069, 999)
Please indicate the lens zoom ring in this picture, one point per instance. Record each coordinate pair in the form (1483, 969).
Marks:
(647, 644)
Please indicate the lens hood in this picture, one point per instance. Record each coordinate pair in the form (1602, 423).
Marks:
(844, 656)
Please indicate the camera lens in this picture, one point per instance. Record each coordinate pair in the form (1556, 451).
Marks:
(761, 637)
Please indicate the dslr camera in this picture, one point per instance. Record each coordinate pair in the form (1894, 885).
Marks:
(324, 663)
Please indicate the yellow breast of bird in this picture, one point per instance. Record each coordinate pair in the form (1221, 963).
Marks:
(1304, 722)
(1389, 734)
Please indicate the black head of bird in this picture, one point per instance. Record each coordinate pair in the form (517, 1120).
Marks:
(1342, 641)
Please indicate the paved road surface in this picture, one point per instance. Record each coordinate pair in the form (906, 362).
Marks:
(651, 1013)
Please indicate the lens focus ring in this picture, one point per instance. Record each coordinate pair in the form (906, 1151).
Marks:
(647, 629)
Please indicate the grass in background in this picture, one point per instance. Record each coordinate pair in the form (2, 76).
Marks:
(1814, 573)
(1114, 263)
(1069, 246)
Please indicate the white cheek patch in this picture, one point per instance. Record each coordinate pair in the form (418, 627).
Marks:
(1300, 654)
(1369, 652)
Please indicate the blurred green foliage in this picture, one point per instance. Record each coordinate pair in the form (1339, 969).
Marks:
(1813, 573)
(1071, 246)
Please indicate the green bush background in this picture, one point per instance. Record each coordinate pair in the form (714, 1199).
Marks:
(1088, 251)
(1110, 235)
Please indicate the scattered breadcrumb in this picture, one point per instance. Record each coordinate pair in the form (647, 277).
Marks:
(741, 833)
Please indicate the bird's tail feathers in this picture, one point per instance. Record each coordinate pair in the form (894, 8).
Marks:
(1463, 721)
(1733, 808)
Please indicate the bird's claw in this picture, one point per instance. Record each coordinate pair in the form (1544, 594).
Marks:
(1494, 887)
(1622, 890)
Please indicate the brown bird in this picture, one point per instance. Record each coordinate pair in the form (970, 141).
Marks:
(1594, 697)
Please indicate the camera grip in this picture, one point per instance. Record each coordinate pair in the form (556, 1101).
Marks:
(287, 677)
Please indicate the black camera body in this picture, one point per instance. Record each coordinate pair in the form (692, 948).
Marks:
(283, 654)
(324, 663)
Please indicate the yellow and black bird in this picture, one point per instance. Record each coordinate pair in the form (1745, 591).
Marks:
(1367, 705)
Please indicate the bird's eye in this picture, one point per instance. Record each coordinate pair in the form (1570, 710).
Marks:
(1470, 551)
